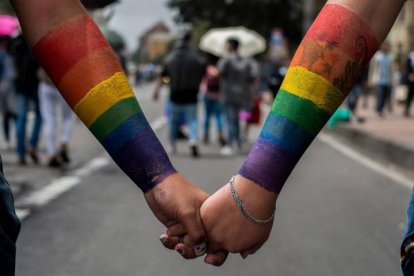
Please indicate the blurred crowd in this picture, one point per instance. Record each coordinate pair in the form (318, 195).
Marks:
(386, 86)
(234, 89)
(27, 92)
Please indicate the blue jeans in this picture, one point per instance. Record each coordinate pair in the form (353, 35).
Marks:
(189, 112)
(233, 123)
(23, 103)
(353, 97)
(212, 107)
(383, 97)
(9, 228)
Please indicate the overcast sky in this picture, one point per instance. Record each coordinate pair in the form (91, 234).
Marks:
(133, 17)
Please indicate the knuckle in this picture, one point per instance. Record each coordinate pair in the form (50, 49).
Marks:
(188, 213)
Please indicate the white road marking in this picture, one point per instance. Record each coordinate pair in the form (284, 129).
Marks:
(58, 187)
(23, 213)
(94, 165)
(379, 168)
(50, 192)
(62, 185)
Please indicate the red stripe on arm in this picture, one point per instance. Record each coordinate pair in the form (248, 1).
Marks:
(79, 37)
(356, 39)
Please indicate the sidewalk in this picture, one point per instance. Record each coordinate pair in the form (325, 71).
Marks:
(389, 139)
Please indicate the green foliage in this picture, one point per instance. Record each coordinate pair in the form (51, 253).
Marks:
(259, 15)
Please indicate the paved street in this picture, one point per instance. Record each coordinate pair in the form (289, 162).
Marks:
(334, 217)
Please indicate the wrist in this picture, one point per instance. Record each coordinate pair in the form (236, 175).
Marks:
(257, 200)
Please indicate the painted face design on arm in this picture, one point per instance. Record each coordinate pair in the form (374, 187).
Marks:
(88, 74)
(326, 65)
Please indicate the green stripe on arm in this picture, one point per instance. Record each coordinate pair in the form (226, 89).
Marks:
(303, 112)
(114, 117)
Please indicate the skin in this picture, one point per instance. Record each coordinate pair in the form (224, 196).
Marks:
(178, 209)
(174, 200)
(227, 229)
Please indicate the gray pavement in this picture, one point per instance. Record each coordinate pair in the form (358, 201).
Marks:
(389, 139)
(334, 217)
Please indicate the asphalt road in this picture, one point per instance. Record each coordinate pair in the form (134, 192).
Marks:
(334, 217)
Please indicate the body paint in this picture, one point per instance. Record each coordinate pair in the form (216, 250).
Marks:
(325, 67)
(87, 72)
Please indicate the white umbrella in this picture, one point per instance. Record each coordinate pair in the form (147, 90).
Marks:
(214, 41)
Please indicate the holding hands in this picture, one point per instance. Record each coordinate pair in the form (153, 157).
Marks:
(226, 227)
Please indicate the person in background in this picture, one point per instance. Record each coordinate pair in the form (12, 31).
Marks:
(382, 76)
(410, 82)
(50, 102)
(237, 77)
(7, 92)
(185, 70)
(26, 84)
(355, 94)
(210, 87)
(251, 114)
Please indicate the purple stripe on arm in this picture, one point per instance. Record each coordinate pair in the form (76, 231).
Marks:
(144, 160)
(268, 165)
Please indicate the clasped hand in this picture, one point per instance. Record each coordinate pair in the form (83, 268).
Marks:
(213, 226)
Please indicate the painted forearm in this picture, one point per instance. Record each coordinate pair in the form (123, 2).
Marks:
(87, 72)
(326, 65)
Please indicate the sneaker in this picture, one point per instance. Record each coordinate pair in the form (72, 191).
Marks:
(54, 162)
(222, 140)
(227, 151)
(181, 135)
(33, 155)
(21, 161)
(194, 151)
(63, 154)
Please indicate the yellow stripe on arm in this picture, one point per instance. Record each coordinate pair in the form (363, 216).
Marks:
(103, 96)
(310, 86)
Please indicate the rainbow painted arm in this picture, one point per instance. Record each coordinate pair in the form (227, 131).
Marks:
(84, 68)
(327, 63)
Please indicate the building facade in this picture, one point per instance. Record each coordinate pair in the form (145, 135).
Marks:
(401, 36)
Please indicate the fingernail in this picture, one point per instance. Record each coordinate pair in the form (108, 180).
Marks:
(163, 239)
(212, 262)
(200, 249)
(180, 251)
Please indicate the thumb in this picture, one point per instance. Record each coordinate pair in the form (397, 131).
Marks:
(195, 230)
(216, 258)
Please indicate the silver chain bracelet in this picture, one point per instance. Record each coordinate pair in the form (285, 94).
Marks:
(243, 209)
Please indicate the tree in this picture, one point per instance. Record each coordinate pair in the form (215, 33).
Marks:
(259, 15)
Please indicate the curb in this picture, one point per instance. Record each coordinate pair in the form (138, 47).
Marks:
(372, 145)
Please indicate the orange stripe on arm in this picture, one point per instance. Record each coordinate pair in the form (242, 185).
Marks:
(87, 73)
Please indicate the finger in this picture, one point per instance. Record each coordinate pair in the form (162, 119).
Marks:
(176, 230)
(193, 225)
(185, 251)
(216, 258)
(169, 242)
(250, 251)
